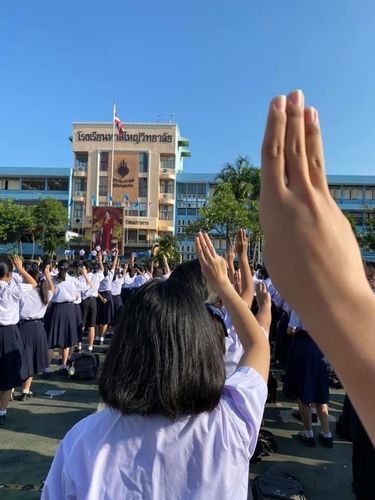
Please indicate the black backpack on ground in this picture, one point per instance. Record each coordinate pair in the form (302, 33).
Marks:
(83, 366)
(266, 445)
(276, 483)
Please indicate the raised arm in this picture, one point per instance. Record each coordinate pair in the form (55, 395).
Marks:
(47, 274)
(311, 252)
(230, 263)
(21, 271)
(256, 348)
(115, 259)
(242, 246)
(166, 265)
(100, 261)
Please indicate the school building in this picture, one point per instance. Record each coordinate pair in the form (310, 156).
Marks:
(136, 170)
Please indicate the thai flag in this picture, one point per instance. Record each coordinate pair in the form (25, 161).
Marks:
(126, 197)
(120, 128)
(109, 197)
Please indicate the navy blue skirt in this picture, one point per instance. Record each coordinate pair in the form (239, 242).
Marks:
(79, 322)
(105, 314)
(117, 308)
(61, 326)
(306, 371)
(13, 362)
(35, 339)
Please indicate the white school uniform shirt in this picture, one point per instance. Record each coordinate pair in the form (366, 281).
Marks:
(95, 279)
(105, 284)
(128, 281)
(117, 285)
(271, 289)
(31, 305)
(11, 292)
(139, 281)
(65, 291)
(82, 287)
(204, 456)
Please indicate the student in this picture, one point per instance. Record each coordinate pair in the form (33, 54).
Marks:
(13, 363)
(33, 307)
(174, 428)
(60, 319)
(116, 286)
(79, 272)
(305, 232)
(104, 301)
(89, 307)
(307, 379)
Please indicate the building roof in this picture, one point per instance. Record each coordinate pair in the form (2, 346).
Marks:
(195, 177)
(35, 171)
(351, 179)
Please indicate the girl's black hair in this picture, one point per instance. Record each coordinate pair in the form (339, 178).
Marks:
(170, 361)
(191, 274)
(33, 269)
(132, 272)
(63, 267)
(76, 268)
(106, 269)
(6, 267)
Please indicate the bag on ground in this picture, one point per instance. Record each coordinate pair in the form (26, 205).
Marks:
(276, 483)
(83, 366)
(266, 445)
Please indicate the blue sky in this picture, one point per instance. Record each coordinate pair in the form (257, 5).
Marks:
(215, 64)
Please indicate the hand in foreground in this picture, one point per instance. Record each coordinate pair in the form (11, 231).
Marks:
(213, 266)
(47, 270)
(308, 239)
(241, 243)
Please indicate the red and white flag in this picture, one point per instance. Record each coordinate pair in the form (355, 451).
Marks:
(120, 128)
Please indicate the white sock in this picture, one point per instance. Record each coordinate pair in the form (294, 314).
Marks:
(101, 339)
(313, 411)
(63, 366)
(25, 391)
(3, 413)
(47, 370)
(89, 348)
(326, 435)
(309, 434)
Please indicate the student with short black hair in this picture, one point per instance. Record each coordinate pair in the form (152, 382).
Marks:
(174, 427)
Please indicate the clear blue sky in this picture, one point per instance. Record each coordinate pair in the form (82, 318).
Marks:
(215, 64)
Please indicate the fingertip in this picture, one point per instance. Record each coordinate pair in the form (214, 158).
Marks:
(279, 103)
(311, 116)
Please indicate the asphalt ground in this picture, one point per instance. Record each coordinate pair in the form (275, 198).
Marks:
(35, 427)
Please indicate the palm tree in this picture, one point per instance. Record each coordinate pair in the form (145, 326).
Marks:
(243, 177)
(167, 245)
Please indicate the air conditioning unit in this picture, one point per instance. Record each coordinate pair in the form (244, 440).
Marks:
(183, 205)
(79, 193)
(81, 169)
(182, 248)
(183, 222)
(165, 171)
(165, 196)
(181, 196)
(78, 220)
(189, 205)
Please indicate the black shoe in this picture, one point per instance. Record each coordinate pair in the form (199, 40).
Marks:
(310, 442)
(46, 374)
(27, 395)
(63, 371)
(297, 415)
(327, 442)
(78, 350)
(2, 419)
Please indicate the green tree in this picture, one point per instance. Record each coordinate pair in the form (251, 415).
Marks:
(366, 238)
(166, 245)
(50, 223)
(15, 221)
(243, 177)
(223, 214)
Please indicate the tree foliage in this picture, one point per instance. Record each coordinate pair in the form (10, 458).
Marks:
(167, 245)
(222, 214)
(243, 177)
(15, 221)
(366, 238)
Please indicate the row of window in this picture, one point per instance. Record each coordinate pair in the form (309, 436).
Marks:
(192, 188)
(82, 160)
(80, 185)
(352, 193)
(35, 184)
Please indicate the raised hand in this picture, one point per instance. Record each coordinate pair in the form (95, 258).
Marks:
(213, 266)
(238, 282)
(262, 296)
(231, 253)
(241, 243)
(17, 263)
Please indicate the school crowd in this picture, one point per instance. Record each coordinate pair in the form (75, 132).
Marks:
(186, 373)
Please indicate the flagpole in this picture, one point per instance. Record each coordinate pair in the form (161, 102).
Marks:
(113, 150)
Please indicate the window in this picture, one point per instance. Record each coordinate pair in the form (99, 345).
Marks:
(132, 236)
(181, 188)
(370, 194)
(82, 159)
(143, 209)
(103, 186)
(352, 193)
(202, 189)
(142, 235)
(335, 192)
(80, 185)
(167, 187)
(58, 184)
(165, 212)
(33, 184)
(181, 211)
(103, 164)
(192, 211)
(143, 162)
(167, 162)
(78, 211)
(142, 187)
